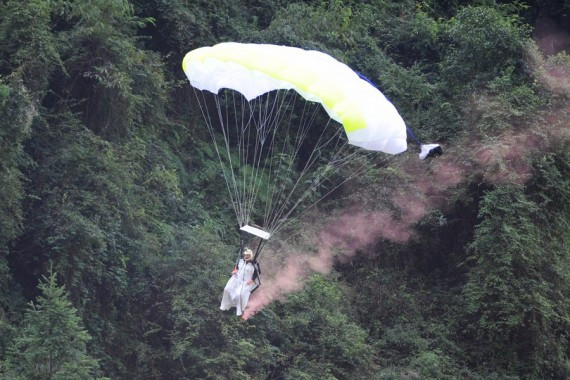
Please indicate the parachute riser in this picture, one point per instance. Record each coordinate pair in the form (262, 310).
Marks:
(259, 249)
(243, 240)
(413, 136)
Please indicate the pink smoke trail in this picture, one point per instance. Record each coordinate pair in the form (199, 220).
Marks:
(339, 240)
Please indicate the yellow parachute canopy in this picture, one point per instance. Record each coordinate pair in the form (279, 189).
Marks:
(369, 119)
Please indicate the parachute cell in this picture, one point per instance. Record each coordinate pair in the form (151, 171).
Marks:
(369, 119)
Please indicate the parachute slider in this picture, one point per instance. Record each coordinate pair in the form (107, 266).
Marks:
(430, 150)
(256, 232)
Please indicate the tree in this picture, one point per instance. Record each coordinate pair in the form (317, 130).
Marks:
(28, 49)
(512, 308)
(479, 44)
(52, 344)
(16, 114)
(320, 341)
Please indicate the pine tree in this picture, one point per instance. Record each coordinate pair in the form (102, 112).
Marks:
(52, 342)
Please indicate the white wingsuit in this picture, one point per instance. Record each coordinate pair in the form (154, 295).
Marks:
(237, 290)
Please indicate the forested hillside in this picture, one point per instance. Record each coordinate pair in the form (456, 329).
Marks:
(116, 239)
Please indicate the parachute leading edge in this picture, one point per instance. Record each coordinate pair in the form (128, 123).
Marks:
(369, 119)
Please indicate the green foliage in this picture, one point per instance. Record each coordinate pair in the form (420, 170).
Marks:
(556, 10)
(479, 44)
(193, 277)
(512, 302)
(182, 25)
(28, 49)
(404, 30)
(52, 344)
(322, 334)
(327, 27)
(552, 187)
(292, 341)
(78, 208)
(106, 172)
(505, 102)
(407, 316)
(118, 84)
(16, 113)
(505, 241)
(432, 365)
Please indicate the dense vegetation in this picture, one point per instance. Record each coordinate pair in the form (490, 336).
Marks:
(115, 243)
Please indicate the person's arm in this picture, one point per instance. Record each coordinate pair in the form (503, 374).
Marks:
(236, 267)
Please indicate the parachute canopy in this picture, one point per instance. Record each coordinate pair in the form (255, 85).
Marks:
(369, 119)
(273, 115)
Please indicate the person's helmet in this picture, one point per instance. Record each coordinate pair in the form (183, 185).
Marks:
(247, 254)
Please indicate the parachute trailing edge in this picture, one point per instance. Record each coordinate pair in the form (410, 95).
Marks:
(369, 119)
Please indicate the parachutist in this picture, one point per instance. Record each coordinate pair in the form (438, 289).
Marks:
(241, 283)
(275, 148)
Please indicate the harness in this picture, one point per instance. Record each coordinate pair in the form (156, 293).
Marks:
(256, 277)
(245, 237)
